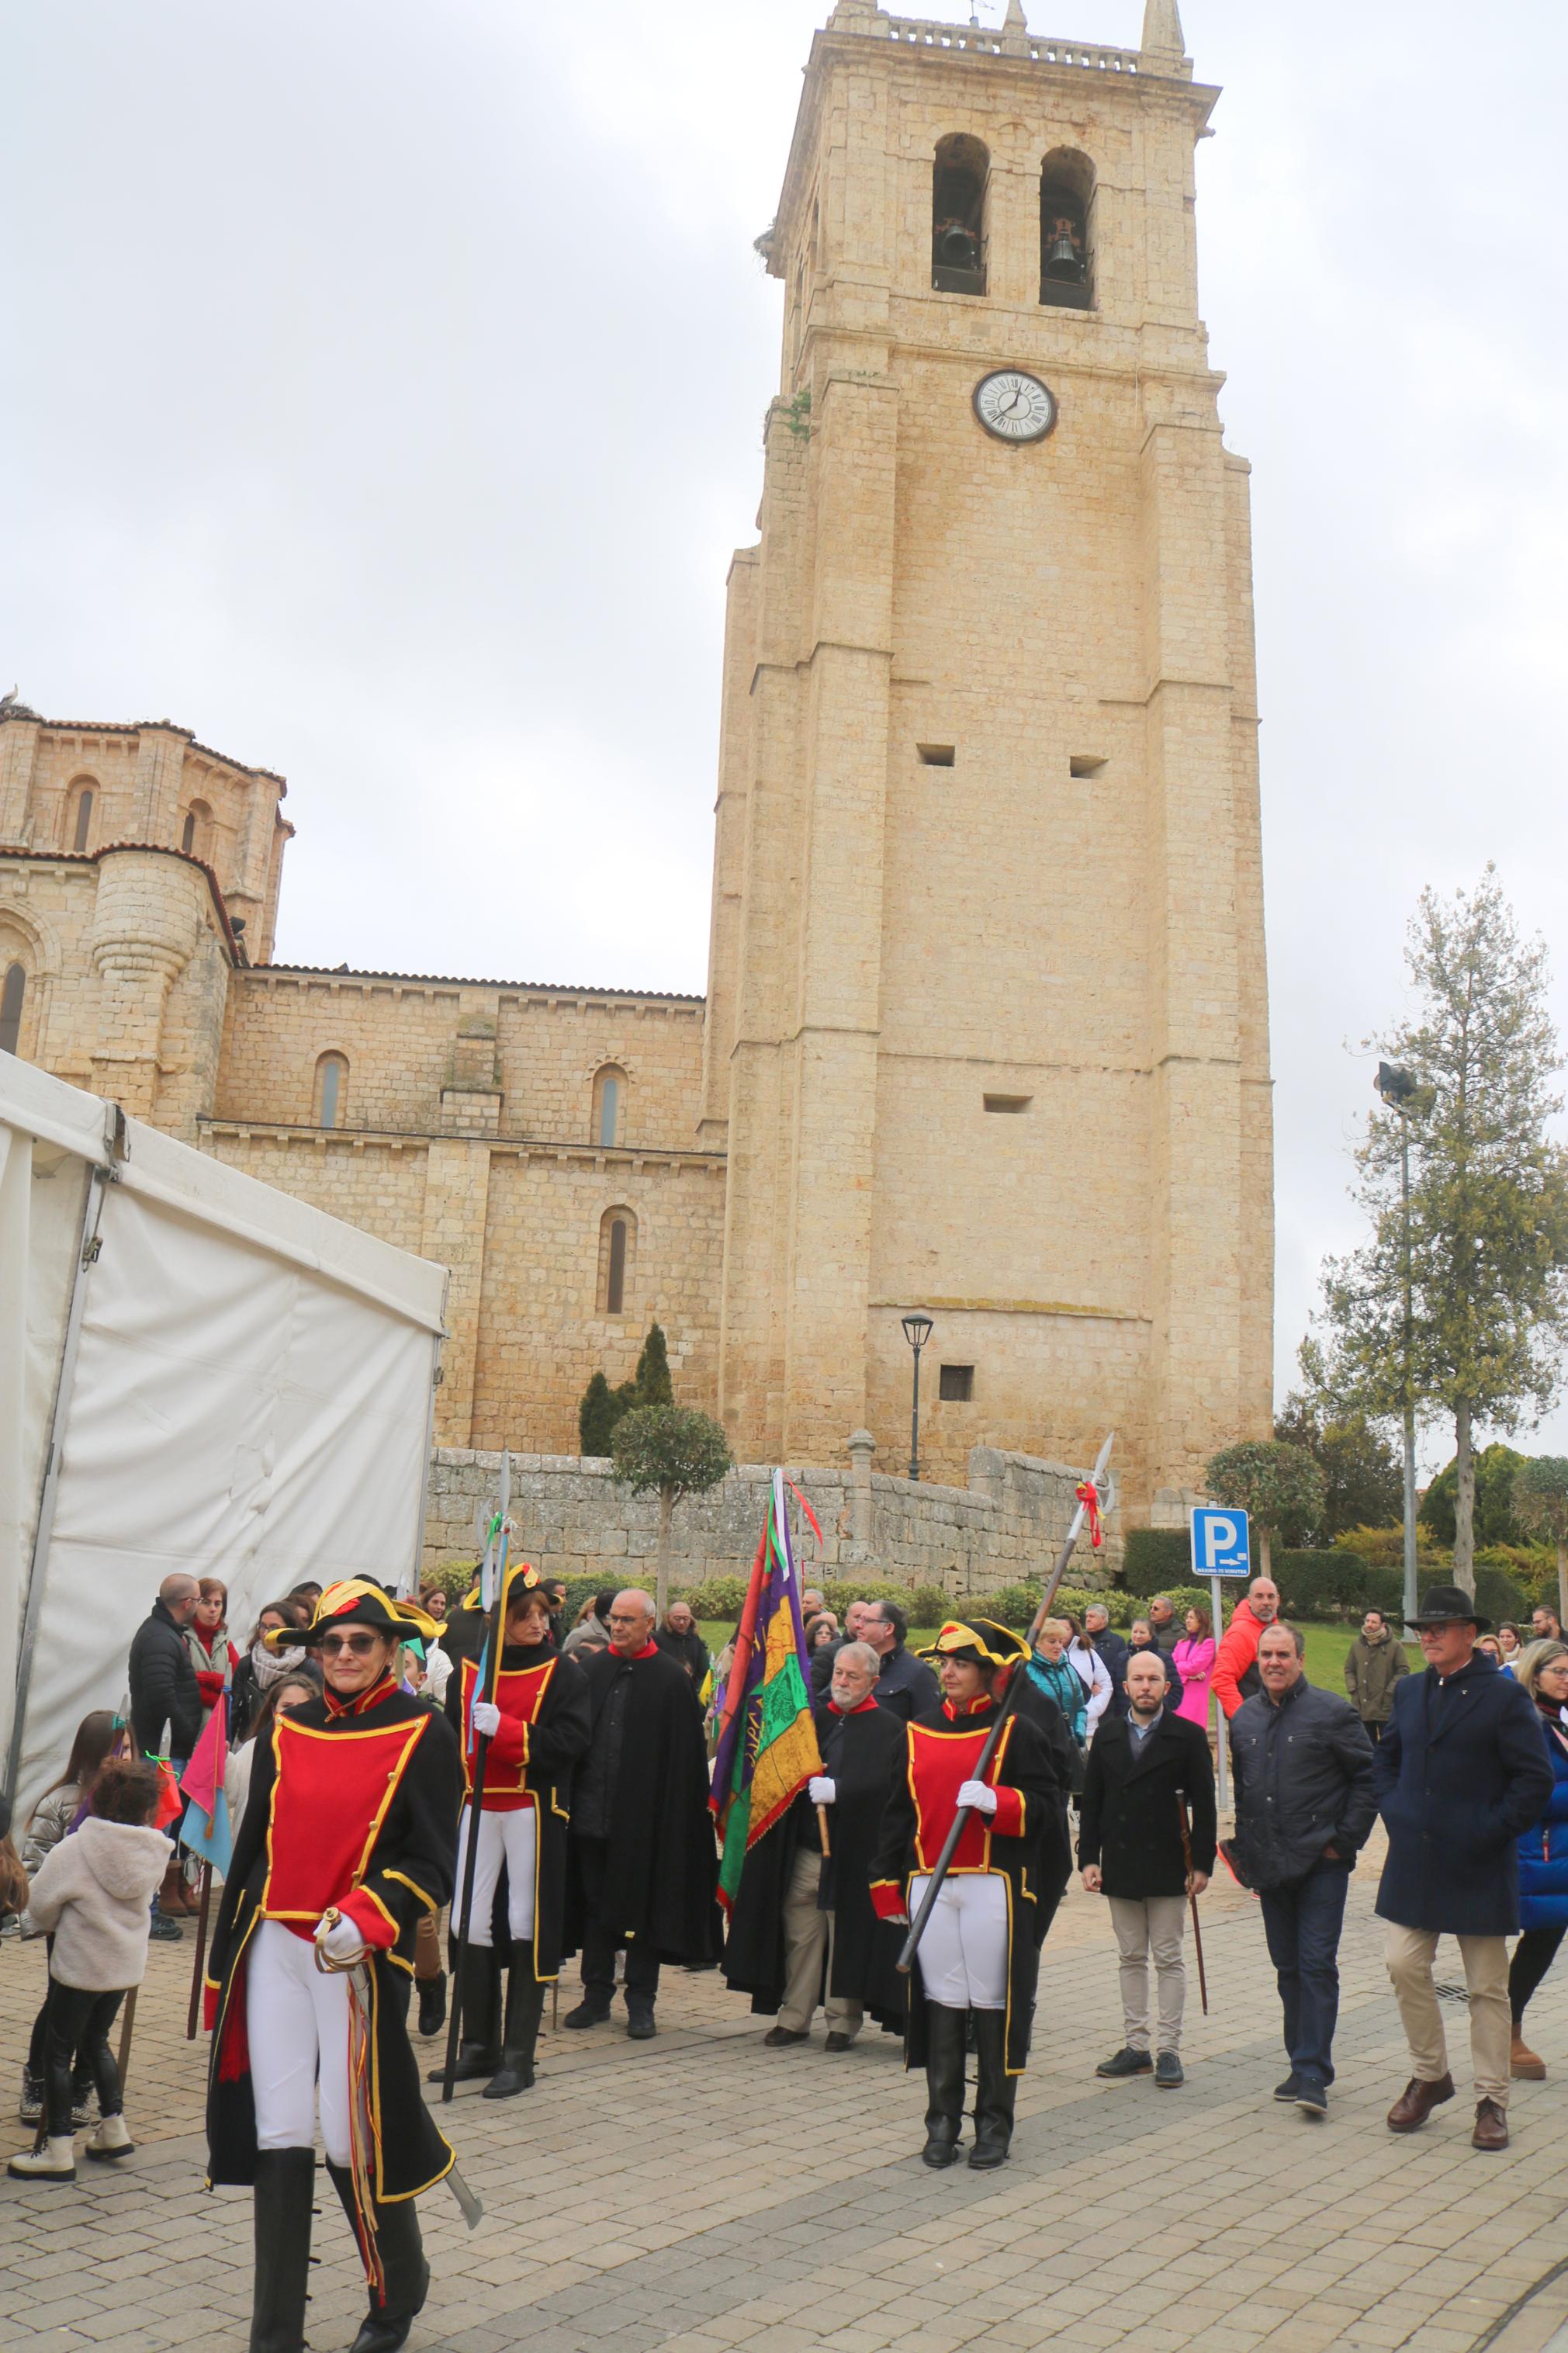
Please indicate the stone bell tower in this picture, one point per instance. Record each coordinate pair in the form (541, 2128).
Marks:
(986, 1022)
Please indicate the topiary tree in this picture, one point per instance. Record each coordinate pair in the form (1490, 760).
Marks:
(651, 1379)
(676, 1451)
(1278, 1486)
(596, 1416)
(1541, 1504)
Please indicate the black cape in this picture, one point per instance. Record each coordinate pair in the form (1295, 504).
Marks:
(408, 1871)
(663, 1864)
(862, 1754)
(1053, 1845)
(558, 1737)
(1025, 1765)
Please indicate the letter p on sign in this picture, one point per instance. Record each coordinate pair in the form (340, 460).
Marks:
(1220, 1543)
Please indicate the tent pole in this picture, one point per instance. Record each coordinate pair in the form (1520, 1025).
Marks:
(99, 1179)
(413, 1572)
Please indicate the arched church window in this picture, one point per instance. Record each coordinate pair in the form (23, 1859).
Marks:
(79, 815)
(13, 989)
(959, 173)
(609, 1105)
(617, 1247)
(197, 834)
(1067, 221)
(332, 1088)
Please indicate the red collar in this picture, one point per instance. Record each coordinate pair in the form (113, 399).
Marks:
(362, 1701)
(834, 1708)
(626, 1658)
(976, 1707)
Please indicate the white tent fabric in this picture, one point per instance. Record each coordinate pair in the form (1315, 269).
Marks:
(249, 1398)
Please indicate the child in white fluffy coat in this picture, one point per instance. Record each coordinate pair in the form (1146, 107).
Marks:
(94, 1891)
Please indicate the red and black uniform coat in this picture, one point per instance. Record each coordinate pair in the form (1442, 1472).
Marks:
(353, 1805)
(937, 1757)
(545, 1727)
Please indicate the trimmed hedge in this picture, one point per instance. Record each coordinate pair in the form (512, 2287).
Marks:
(1154, 1560)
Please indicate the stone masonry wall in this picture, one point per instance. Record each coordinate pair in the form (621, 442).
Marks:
(576, 1520)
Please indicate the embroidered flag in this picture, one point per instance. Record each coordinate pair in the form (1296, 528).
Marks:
(767, 1743)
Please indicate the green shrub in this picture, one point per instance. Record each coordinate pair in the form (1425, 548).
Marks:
(1497, 1595)
(1385, 1547)
(1154, 1560)
(1321, 1585)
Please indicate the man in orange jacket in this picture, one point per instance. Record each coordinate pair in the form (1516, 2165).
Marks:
(1237, 1657)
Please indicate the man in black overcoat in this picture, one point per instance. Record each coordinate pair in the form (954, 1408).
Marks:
(642, 1865)
(802, 1930)
(1461, 1771)
(1142, 1767)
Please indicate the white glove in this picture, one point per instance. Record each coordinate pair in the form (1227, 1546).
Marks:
(979, 1795)
(487, 1717)
(342, 1942)
(821, 1790)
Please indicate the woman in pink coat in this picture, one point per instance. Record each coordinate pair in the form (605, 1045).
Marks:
(1193, 1655)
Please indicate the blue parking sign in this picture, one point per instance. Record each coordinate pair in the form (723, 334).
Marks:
(1221, 1546)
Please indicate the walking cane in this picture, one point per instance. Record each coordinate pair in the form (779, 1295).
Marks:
(500, 1535)
(127, 2021)
(194, 2011)
(1192, 1899)
(994, 1737)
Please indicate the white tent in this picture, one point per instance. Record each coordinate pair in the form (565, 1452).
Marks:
(196, 1372)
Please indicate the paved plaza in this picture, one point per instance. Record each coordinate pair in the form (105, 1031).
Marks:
(698, 2193)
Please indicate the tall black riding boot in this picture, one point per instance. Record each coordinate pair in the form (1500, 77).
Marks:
(406, 2274)
(996, 2091)
(285, 2189)
(479, 1992)
(524, 2009)
(944, 2083)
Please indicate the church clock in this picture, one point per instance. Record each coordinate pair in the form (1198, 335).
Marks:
(1015, 406)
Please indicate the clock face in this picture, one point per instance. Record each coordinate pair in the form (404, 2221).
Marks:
(1015, 406)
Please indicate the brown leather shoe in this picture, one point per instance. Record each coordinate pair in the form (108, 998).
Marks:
(1491, 2126)
(1416, 2102)
(1524, 2064)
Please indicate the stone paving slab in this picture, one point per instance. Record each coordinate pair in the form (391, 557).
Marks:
(698, 2193)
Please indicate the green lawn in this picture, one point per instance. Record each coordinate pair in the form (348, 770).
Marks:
(1326, 1648)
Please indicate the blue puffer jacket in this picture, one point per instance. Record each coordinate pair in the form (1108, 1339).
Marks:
(1543, 1850)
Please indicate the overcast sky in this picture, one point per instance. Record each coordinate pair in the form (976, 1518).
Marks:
(383, 400)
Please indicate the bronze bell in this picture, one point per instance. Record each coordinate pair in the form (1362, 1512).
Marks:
(957, 248)
(1064, 261)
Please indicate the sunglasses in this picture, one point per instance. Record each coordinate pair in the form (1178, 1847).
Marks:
(361, 1645)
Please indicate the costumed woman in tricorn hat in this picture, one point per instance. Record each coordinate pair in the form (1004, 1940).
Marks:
(537, 1724)
(346, 1840)
(978, 1956)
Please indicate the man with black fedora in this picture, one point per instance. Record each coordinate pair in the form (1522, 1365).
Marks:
(1460, 1772)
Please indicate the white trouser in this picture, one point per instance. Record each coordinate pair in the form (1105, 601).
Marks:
(503, 1837)
(297, 2023)
(964, 1951)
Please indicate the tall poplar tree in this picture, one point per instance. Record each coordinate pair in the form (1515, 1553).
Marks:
(1489, 1197)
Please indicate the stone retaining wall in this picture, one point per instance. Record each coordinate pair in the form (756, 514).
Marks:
(576, 1520)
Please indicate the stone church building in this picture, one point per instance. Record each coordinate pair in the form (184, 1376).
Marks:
(985, 1029)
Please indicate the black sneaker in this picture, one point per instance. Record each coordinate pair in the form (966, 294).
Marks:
(1168, 2073)
(1126, 2062)
(1288, 2090)
(1312, 2098)
(165, 1931)
(432, 2004)
(641, 2028)
(587, 2013)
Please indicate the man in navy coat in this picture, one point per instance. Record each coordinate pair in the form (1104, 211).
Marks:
(1461, 1771)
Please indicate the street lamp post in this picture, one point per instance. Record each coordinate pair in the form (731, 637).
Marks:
(1396, 1088)
(916, 1332)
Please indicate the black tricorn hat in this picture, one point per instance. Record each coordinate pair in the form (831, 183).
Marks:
(356, 1601)
(1451, 1605)
(980, 1641)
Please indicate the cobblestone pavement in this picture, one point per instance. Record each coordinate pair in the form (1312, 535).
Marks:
(698, 2193)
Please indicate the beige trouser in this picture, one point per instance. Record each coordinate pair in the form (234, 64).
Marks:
(1411, 1952)
(1153, 1925)
(808, 1943)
